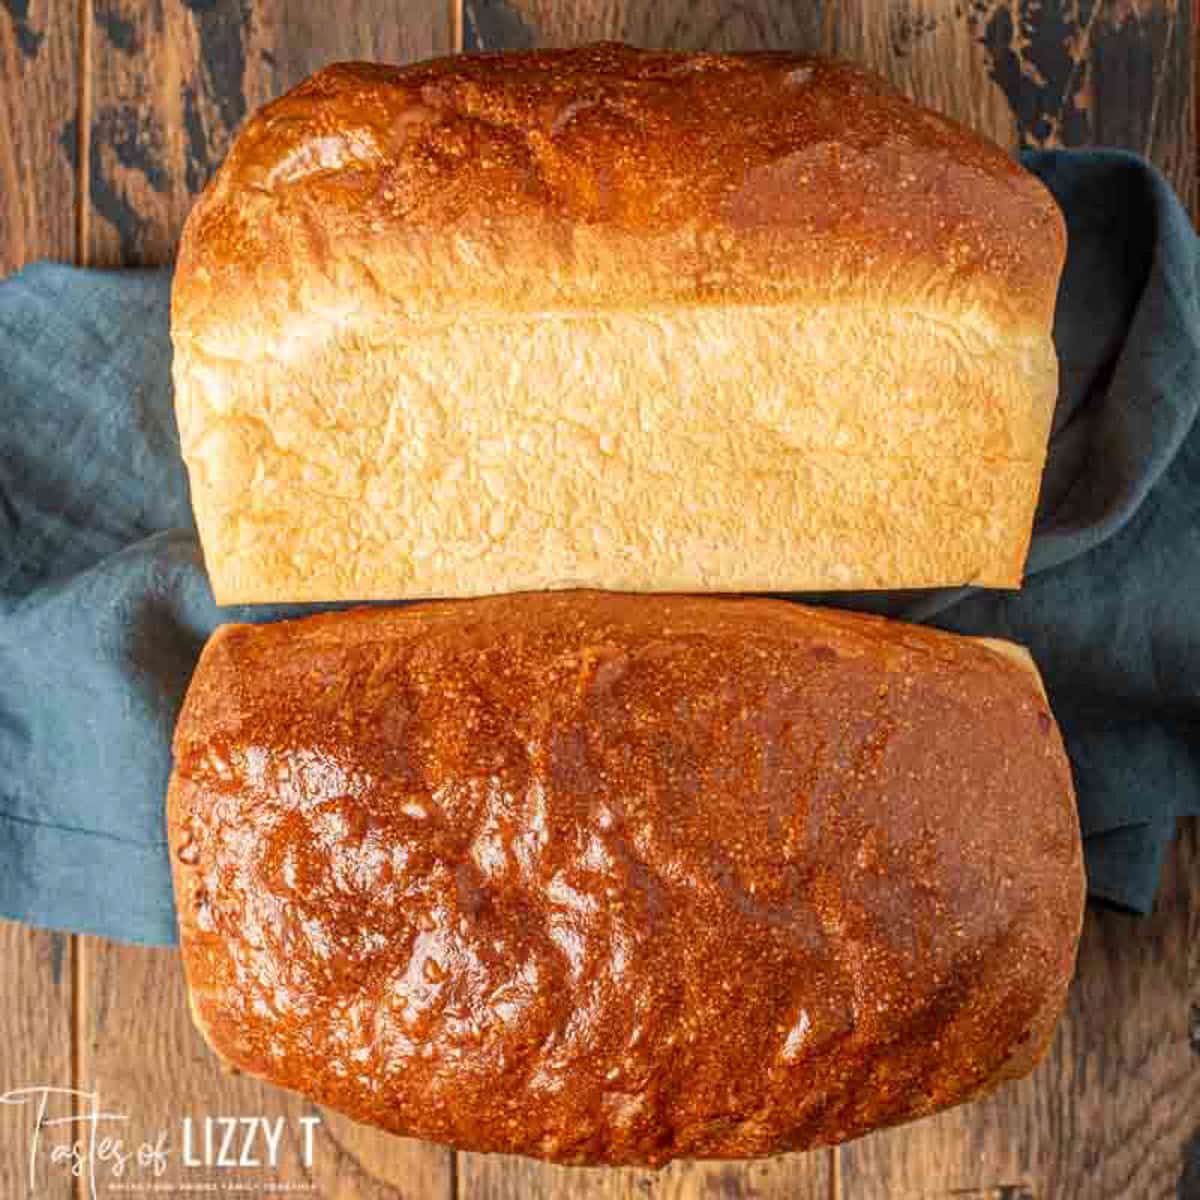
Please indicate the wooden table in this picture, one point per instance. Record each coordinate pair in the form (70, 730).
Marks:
(114, 114)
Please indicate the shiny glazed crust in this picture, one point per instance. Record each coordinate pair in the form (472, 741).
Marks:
(609, 317)
(617, 879)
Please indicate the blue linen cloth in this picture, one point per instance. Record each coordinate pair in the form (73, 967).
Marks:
(104, 603)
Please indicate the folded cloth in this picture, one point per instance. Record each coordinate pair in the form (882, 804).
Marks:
(104, 604)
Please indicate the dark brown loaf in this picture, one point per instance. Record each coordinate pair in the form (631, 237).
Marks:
(612, 879)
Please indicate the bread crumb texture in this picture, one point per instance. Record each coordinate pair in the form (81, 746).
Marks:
(616, 318)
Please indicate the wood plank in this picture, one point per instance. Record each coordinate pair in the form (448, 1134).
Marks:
(1138, 85)
(1112, 74)
(1113, 1112)
(171, 83)
(1054, 74)
(789, 1177)
(711, 26)
(35, 1052)
(39, 47)
(39, 50)
(677, 24)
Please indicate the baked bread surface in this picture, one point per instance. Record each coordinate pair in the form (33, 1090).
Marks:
(617, 879)
(607, 317)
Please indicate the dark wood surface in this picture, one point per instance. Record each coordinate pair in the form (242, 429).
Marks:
(39, 74)
(113, 113)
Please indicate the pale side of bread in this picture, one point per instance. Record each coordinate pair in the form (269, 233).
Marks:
(605, 317)
(621, 879)
(1016, 654)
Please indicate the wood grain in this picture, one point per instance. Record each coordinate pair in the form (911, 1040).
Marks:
(39, 75)
(791, 1177)
(39, 72)
(35, 1051)
(1113, 1113)
(171, 82)
(1102, 72)
(140, 1051)
(1143, 91)
(678, 24)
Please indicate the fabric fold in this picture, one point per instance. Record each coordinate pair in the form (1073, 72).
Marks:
(104, 604)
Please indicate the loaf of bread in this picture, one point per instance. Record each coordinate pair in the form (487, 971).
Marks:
(613, 879)
(612, 318)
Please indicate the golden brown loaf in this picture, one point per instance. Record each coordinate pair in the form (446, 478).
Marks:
(617, 879)
(644, 321)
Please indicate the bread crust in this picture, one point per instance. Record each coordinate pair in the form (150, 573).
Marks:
(474, 325)
(616, 879)
(606, 177)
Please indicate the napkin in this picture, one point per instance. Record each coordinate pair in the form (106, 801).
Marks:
(104, 603)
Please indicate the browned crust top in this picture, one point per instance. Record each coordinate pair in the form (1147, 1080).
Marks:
(615, 879)
(609, 175)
